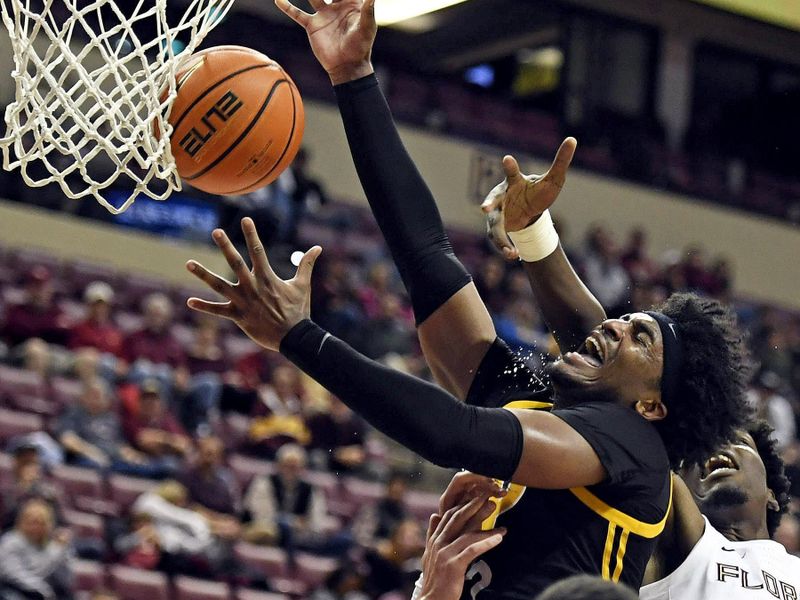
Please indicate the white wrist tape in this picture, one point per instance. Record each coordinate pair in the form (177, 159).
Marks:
(418, 587)
(536, 241)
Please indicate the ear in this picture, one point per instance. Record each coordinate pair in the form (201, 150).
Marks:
(651, 409)
(772, 501)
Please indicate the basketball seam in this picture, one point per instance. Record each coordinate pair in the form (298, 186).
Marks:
(208, 90)
(285, 149)
(243, 135)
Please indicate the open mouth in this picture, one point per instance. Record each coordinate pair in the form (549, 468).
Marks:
(592, 351)
(719, 465)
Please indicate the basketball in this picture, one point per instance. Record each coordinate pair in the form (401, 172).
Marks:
(237, 121)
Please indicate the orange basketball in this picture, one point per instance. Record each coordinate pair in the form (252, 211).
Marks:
(237, 121)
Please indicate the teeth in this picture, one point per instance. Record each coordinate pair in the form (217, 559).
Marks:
(593, 347)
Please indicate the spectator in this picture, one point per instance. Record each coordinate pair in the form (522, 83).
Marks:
(788, 533)
(388, 332)
(771, 405)
(205, 354)
(210, 483)
(36, 558)
(635, 260)
(307, 194)
(278, 412)
(104, 595)
(39, 316)
(181, 533)
(97, 330)
(153, 351)
(141, 548)
(282, 507)
(375, 523)
(338, 436)
(91, 433)
(28, 482)
(604, 274)
(154, 431)
(395, 565)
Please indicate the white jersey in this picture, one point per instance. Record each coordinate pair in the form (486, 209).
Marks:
(718, 569)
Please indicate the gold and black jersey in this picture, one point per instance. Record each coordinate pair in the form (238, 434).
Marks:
(607, 530)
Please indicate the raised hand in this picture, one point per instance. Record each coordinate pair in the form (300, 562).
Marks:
(262, 304)
(453, 542)
(520, 199)
(341, 35)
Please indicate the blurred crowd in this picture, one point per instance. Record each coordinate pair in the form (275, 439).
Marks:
(140, 435)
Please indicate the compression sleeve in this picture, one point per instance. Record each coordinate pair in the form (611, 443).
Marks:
(401, 202)
(415, 413)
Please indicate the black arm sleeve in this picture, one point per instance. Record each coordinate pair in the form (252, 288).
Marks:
(403, 206)
(417, 414)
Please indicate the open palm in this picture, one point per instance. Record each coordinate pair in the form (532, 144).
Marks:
(341, 33)
(519, 200)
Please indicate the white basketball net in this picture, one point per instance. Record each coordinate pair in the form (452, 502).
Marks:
(94, 80)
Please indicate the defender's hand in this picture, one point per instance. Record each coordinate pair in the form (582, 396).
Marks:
(521, 199)
(341, 35)
(453, 541)
(464, 487)
(262, 304)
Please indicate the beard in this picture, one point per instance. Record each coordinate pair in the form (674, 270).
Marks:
(724, 497)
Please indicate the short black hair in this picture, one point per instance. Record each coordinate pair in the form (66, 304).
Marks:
(585, 587)
(767, 447)
(710, 400)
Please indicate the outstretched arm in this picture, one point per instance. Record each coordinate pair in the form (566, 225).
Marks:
(682, 531)
(533, 448)
(568, 307)
(455, 329)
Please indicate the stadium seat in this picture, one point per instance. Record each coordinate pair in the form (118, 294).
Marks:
(244, 594)
(19, 382)
(360, 492)
(85, 525)
(89, 575)
(65, 391)
(6, 469)
(246, 468)
(13, 423)
(77, 481)
(267, 560)
(136, 584)
(188, 588)
(422, 504)
(314, 570)
(125, 490)
(79, 274)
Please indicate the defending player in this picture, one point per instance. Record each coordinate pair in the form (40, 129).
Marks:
(716, 545)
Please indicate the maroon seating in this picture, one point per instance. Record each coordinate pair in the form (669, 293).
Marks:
(246, 594)
(19, 382)
(246, 468)
(265, 559)
(77, 481)
(125, 490)
(363, 492)
(422, 504)
(314, 570)
(136, 584)
(188, 588)
(85, 525)
(89, 575)
(65, 391)
(13, 423)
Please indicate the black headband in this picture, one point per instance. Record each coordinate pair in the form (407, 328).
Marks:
(673, 355)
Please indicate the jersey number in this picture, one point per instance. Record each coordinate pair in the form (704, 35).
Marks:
(482, 569)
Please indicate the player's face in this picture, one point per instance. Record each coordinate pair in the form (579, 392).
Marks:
(732, 484)
(621, 361)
